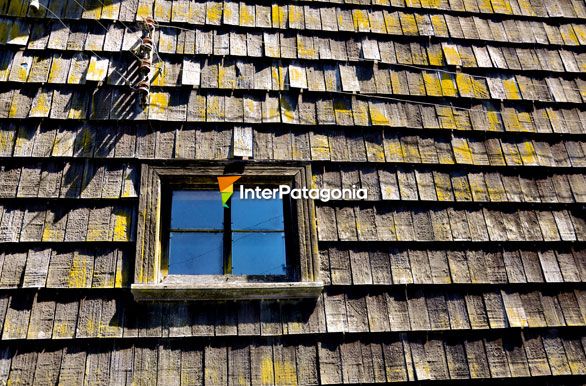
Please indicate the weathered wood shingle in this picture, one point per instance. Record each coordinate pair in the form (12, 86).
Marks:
(464, 120)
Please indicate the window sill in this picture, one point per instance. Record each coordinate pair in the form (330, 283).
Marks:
(226, 291)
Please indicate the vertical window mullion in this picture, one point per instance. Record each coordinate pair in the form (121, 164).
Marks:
(228, 240)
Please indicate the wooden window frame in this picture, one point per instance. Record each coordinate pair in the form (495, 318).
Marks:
(151, 281)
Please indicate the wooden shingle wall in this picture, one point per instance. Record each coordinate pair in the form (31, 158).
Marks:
(464, 119)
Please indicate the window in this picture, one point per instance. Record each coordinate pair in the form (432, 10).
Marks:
(245, 238)
(195, 242)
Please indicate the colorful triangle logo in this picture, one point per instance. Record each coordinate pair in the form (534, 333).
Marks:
(227, 188)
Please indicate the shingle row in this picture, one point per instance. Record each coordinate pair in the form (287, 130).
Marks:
(372, 21)
(387, 223)
(279, 76)
(76, 179)
(425, 184)
(279, 361)
(290, 45)
(103, 267)
(373, 145)
(366, 78)
(40, 316)
(108, 267)
(57, 223)
(290, 108)
(391, 147)
(386, 266)
(195, 11)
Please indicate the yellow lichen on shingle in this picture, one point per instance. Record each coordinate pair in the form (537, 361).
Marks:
(86, 140)
(494, 121)
(78, 274)
(343, 111)
(77, 69)
(320, 147)
(285, 373)
(413, 3)
(396, 84)
(451, 54)
(435, 55)
(41, 105)
(580, 31)
(145, 9)
(436, 4)
(6, 141)
(568, 35)
(214, 13)
(525, 121)
(14, 110)
(527, 152)
(439, 25)
(267, 373)
(215, 108)
(279, 16)
(52, 233)
(199, 107)
(62, 329)
(462, 151)
(480, 89)
(305, 51)
(247, 16)
(295, 15)
(158, 103)
(378, 113)
(122, 222)
(448, 85)
(511, 89)
(361, 23)
(526, 7)
(223, 80)
(23, 70)
(511, 121)
(393, 150)
(162, 10)
(270, 111)
(97, 69)
(485, 6)
(110, 9)
(502, 6)
(408, 24)
(446, 117)
(465, 86)
(360, 113)
(392, 22)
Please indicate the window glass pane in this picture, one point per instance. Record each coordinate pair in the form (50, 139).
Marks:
(258, 253)
(197, 209)
(196, 253)
(257, 214)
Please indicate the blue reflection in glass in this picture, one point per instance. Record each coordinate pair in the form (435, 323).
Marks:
(257, 214)
(196, 253)
(197, 209)
(258, 253)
